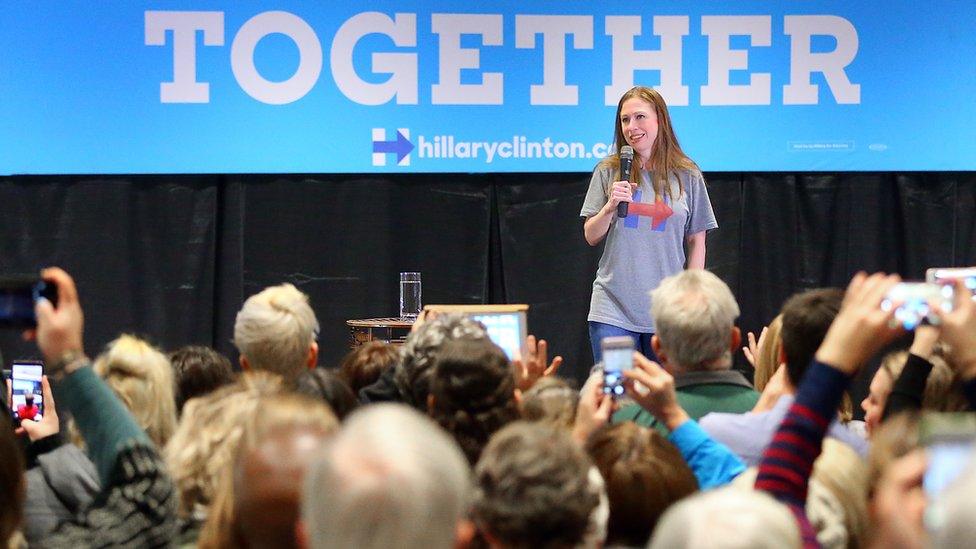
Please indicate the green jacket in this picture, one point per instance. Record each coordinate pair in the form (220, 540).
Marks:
(700, 393)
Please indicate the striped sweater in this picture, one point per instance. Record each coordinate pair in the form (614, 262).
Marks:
(786, 465)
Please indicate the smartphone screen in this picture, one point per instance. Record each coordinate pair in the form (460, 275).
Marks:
(26, 398)
(618, 357)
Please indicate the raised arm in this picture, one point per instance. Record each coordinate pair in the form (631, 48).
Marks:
(909, 389)
(959, 331)
(136, 506)
(860, 329)
(712, 462)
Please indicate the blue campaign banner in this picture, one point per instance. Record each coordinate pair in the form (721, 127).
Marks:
(287, 86)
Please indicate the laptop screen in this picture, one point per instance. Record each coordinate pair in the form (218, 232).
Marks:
(506, 329)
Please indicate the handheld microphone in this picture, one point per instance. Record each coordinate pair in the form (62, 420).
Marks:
(626, 158)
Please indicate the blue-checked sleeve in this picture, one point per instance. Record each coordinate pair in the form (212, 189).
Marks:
(712, 462)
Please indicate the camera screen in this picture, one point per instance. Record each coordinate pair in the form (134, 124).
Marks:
(507, 330)
(26, 400)
(615, 362)
(948, 276)
(16, 304)
(913, 299)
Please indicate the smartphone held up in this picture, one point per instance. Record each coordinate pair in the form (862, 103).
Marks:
(618, 357)
(913, 302)
(26, 393)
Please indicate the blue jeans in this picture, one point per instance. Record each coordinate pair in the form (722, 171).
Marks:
(599, 330)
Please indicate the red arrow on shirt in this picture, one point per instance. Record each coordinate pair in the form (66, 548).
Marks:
(659, 212)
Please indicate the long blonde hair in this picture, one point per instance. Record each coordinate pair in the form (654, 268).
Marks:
(208, 435)
(768, 357)
(271, 415)
(142, 377)
(667, 158)
(838, 489)
(845, 474)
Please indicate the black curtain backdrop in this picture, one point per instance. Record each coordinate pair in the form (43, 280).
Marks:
(173, 257)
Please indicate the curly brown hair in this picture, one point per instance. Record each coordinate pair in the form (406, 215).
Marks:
(473, 392)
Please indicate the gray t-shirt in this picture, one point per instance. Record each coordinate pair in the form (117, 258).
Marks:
(643, 248)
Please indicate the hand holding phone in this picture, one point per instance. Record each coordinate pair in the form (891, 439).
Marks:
(652, 387)
(913, 302)
(957, 329)
(60, 325)
(947, 276)
(618, 357)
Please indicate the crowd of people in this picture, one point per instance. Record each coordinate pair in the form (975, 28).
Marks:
(445, 442)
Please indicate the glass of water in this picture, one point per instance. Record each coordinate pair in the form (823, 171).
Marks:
(410, 301)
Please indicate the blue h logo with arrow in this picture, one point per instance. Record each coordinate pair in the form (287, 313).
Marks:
(401, 147)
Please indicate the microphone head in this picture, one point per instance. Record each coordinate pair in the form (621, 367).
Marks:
(627, 152)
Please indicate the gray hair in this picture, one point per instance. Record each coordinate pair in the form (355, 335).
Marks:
(391, 478)
(413, 374)
(727, 518)
(533, 488)
(694, 313)
(275, 329)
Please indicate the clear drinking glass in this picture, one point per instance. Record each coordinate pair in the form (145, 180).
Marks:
(410, 301)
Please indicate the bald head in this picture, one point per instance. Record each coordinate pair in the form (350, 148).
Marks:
(268, 486)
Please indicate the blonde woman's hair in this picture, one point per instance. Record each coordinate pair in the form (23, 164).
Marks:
(142, 377)
(768, 358)
(272, 414)
(836, 498)
(275, 329)
(207, 437)
(845, 474)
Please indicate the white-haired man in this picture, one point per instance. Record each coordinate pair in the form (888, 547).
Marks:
(390, 478)
(727, 517)
(275, 331)
(695, 312)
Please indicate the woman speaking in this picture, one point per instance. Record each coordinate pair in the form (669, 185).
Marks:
(666, 205)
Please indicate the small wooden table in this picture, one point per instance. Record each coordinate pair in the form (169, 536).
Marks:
(390, 330)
